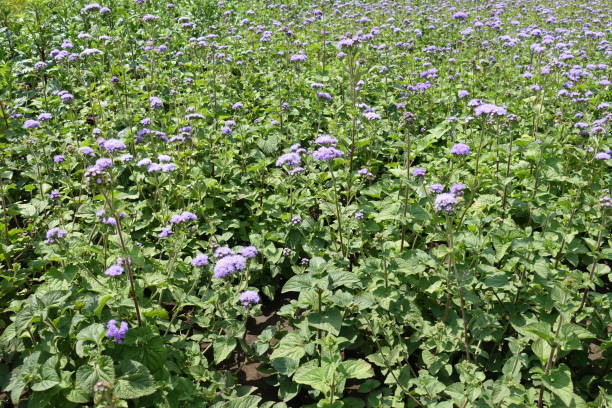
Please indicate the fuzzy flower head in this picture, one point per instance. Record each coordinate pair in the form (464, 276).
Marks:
(457, 189)
(489, 109)
(117, 333)
(445, 202)
(114, 270)
(327, 153)
(113, 145)
(419, 172)
(228, 265)
(183, 217)
(436, 188)
(155, 102)
(460, 149)
(222, 251)
(290, 159)
(249, 298)
(31, 124)
(249, 251)
(55, 233)
(200, 260)
(326, 140)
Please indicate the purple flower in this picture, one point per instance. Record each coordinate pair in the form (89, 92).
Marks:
(460, 149)
(154, 168)
(249, 252)
(126, 157)
(460, 15)
(457, 189)
(114, 270)
(419, 172)
(66, 97)
(183, 217)
(104, 163)
(371, 116)
(117, 333)
(54, 194)
(298, 57)
(296, 220)
(31, 124)
(165, 232)
(168, 167)
(222, 251)
(445, 202)
(58, 158)
(326, 153)
(364, 172)
(606, 201)
(155, 102)
(237, 106)
(291, 159)
(326, 140)
(249, 297)
(602, 156)
(87, 151)
(113, 145)
(45, 116)
(324, 95)
(55, 232)
(200, 260)
(490, 109)
(358, 215)
(436, 188)
(228, 265)
(462, 93)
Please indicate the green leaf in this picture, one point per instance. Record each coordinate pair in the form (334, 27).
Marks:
(88, 375)
(330, 321)
(298, 283)
(247, 401)
(314, 376)
(159, 313)
(343, 278)
(359, 369)
(559, 382)
(284, 365)
(222, 347)
(135, 382)
(101, 303)
(541, 349)
(290, 346)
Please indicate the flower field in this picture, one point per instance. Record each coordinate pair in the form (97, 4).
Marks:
(274, 203)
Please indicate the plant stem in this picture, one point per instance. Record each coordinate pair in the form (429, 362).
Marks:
(338, 215)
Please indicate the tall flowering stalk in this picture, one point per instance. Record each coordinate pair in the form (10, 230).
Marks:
(327, 154)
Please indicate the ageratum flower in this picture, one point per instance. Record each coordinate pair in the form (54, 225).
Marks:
(605, 201)
(462, 93)
(460, 149)
(365, 172)
(222, 251)
(54, 233)
(445, 202)
(165, 232)
(419, 172)
(228, 265)
(296, 220)
(326, 140)
(200, 260)
(358, 215)
(54, 194)
(31, 124)
(117, 333)
(602, 156)
(249, 251)
(113, 145)
(45, 116)
(490, 109)
(326, 153)
(114, 270)
(91, 7)
(249, 297)
(436, 188)
(371, 116)
(155, 102)
(324, 95)
(185, 216)
(298, 57)
(291, 159)
(58, 158)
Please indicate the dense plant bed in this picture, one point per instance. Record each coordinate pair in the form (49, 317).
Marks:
(305, 204)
